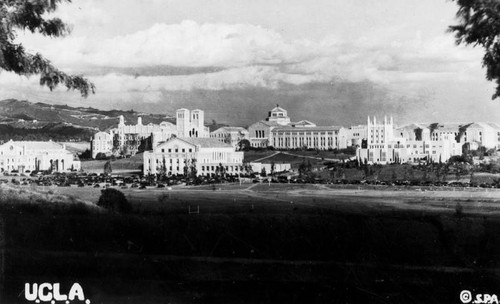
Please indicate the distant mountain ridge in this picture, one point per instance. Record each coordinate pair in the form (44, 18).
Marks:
(12, 110)
(24, 120)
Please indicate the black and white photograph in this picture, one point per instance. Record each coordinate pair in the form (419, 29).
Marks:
(249, 151)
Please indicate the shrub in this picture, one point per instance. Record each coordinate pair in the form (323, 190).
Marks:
(101, 156)
(114, 200)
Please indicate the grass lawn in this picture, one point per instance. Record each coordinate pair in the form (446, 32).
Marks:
(251, 156)
(286, 243)
(124, 164)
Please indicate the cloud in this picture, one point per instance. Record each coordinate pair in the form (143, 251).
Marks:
(219, 56)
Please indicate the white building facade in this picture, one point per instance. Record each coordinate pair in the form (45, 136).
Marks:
(320, 138)
(481, 134)
(184, 155)
(126, 139)
(230, 135)
(101, 142)
(279, 132)
(25, 156)
(385, 144)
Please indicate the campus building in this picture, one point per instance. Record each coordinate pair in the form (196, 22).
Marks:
(278, 131)
(482, 134)
(413, 143)
(321, 138)
(352, 136)
(25, 156)
(101, 142)
(260, 132)
(126, 139)
(474, 134)
(230, 135)
(183, 155)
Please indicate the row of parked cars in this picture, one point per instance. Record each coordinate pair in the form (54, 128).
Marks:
(75, 179)
(105, 180)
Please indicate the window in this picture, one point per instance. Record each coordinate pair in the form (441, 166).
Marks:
(162, 150)
(169, 150)
(190, 150)
(183, 150)
(176, 150)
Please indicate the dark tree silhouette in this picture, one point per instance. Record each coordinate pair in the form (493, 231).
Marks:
(32, 16)
(107, 168)
(479, 24)
(114, 200)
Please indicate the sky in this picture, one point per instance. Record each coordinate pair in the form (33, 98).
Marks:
(329, 61)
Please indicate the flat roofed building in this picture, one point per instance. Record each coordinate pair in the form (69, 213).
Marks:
(25, 156)
(321, 138)
(352, 136)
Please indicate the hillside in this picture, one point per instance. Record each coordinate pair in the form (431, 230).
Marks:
(24, 120)
(21, 113)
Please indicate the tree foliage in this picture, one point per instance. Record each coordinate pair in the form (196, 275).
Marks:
(114, 200)
(479, 24)
(32, 16)
(107, 168)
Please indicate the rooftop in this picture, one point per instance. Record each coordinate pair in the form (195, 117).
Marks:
(33, 145)
(205, 142)
(323, 128)
(232, 129)
(277, 108)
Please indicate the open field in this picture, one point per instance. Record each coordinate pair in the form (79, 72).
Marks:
(123, 165)
(345, 197)
(281, 156)
(255, 243)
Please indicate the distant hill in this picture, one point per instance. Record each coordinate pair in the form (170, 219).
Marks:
(24, 120)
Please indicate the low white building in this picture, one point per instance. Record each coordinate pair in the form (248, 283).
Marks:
(36, 155)
(321, 138)
(183, 155)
